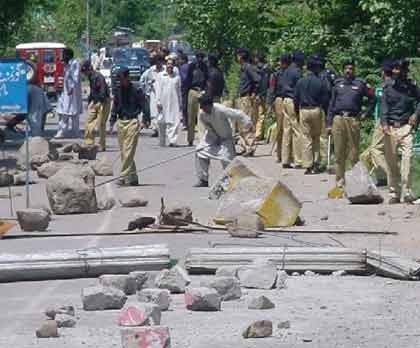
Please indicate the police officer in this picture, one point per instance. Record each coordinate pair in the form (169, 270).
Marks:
(262, 90)
(275, 98)
(344, 114)
(291, 147)
(399, 118)
(311, 97)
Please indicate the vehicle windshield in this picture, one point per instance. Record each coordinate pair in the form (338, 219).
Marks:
(183, 46)
(130, 56)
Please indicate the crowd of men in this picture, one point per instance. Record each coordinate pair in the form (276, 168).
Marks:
(314, 109)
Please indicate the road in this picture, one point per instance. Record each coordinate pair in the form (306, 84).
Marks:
(24, 302)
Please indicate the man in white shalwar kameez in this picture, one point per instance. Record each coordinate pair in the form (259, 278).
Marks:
(217, 141)
(149, 85)
(170, 102)
(70, 106)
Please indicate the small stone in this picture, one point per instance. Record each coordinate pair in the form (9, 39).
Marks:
(51, 312)
(141, 314)
(160, 297)
(132, 202)
(122, 282)
(281, 279)
(48, 329)
(88, 152)
(96, 298)
(324, 218)
(258, 275)
(65, 320)
(260, 302)
(140, 222)
(284, 325)
(33, 219)
(227, 271)
(143, 279)
(381, 213)
(146, 337)
(339, 273)
(309, 274)
(67, 148)
(259, 329)
(175, 280)
(179, 216)
(229, 288)
(202, 299)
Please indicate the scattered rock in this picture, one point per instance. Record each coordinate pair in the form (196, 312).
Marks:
(258, 276)
(284, 325)
(72, 191)
(281, 279)
(324, 218)
(33, 219)
(309, 274)
(202, 299)
(144, 280)
(146, 337)
(227, 271)
(229, 288)
(259, 329)
(122, 282)
(102, 167)
(67, 148)
(65, 320)
(6, 179)
(160, 297)
(65, 157)
(40, 151)
(140, 222)
(360, 187)
(339, 273)
(87, 151)
(20, 179)
(52, 312)
(104, 197)
(175, 280)
(260, 302)
(245, 226)
(48, 329)
(381, 213)
(97, 298)
(130, 201)
(307, 339)
(141, 314)
(180, 216)
(49, 169)
(76, 147)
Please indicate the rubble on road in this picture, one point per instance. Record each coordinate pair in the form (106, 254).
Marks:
(131, 200)
(175, 280)
(53, 311)
(40, 151)
(144, 280)
(62, 157)
(228, 288)
(33, 219)
(72, 191)
(227, 271)
(146, 337)
(140, 314)
(360, 187)
(99, 298)
(49, 169)
(261, 303)
(160, 297)
(259, 329)
(104, 197)
(259, 276)
(67, 148)
(178, 216)
(270, 200)
(102, 167)
(87, 152)
(121, 282)
(65, 321)
(281, 279)
(202, 299)
(48, 329)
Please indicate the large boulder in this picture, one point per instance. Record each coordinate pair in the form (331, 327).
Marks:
(72, 191)
(40, 151)
(33, 219)
(49, 169)
(159, 297)
(102, 167)
(360, 187)
(260, 275)
(175, 280)
(177, 216)
(98, 298)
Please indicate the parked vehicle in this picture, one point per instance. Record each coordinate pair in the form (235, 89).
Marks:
(48, 60)
(137, 60)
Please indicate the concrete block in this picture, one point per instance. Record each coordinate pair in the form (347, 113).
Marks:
(229, 288)
(97, 298)
(202, 299)
(122, 282)
(140, 314)
(160, 297)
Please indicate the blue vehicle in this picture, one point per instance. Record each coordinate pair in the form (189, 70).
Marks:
(137, 60)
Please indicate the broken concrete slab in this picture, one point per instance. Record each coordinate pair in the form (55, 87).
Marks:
(48, 329)
(104, 197)
(131, 200)
(72, 191)
(259, 329)
(360, 187)
(229, 288)
(202, 299)
(122, 282)
(99, 298)
(65, 321)
(389, 264)
(234, 172)
(144, 280)
(52, 311)
(141, 314)
(49, 169)
(175, 280)
(102, 167)
(40, 152)
(33, 219)
(160, 297)
(146, 337)
(261, 303)
(179, 216)
(64, 264)
(270, 200)
(258, 276)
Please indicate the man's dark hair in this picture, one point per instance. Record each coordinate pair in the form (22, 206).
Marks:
(387, 66)
(184, 57)
(244, 54)
(213, 58)
(205, 99)
(68, 52)
(199, 53)
(285, 58)
(159, 58)
(86, 65)
(260, 56)
(298, 56)
(349, 61)
(314, 62)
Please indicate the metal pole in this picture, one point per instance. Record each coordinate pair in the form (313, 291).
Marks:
(87, 26)
(27, 162)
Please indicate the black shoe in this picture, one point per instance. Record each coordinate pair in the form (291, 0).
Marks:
(310, 171)
(394, 200)
(202, 183)
(287, 166)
